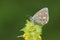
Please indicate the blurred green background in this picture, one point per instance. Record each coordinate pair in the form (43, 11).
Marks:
(13, 15)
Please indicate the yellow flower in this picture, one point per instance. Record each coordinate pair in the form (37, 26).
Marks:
(25, 36)
(32, 31)
(39, 37)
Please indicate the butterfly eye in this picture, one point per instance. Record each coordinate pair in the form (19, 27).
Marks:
(41, 17)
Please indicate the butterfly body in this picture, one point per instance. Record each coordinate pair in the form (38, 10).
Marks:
(41, 17)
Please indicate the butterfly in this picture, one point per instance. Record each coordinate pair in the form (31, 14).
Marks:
(41, 17)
